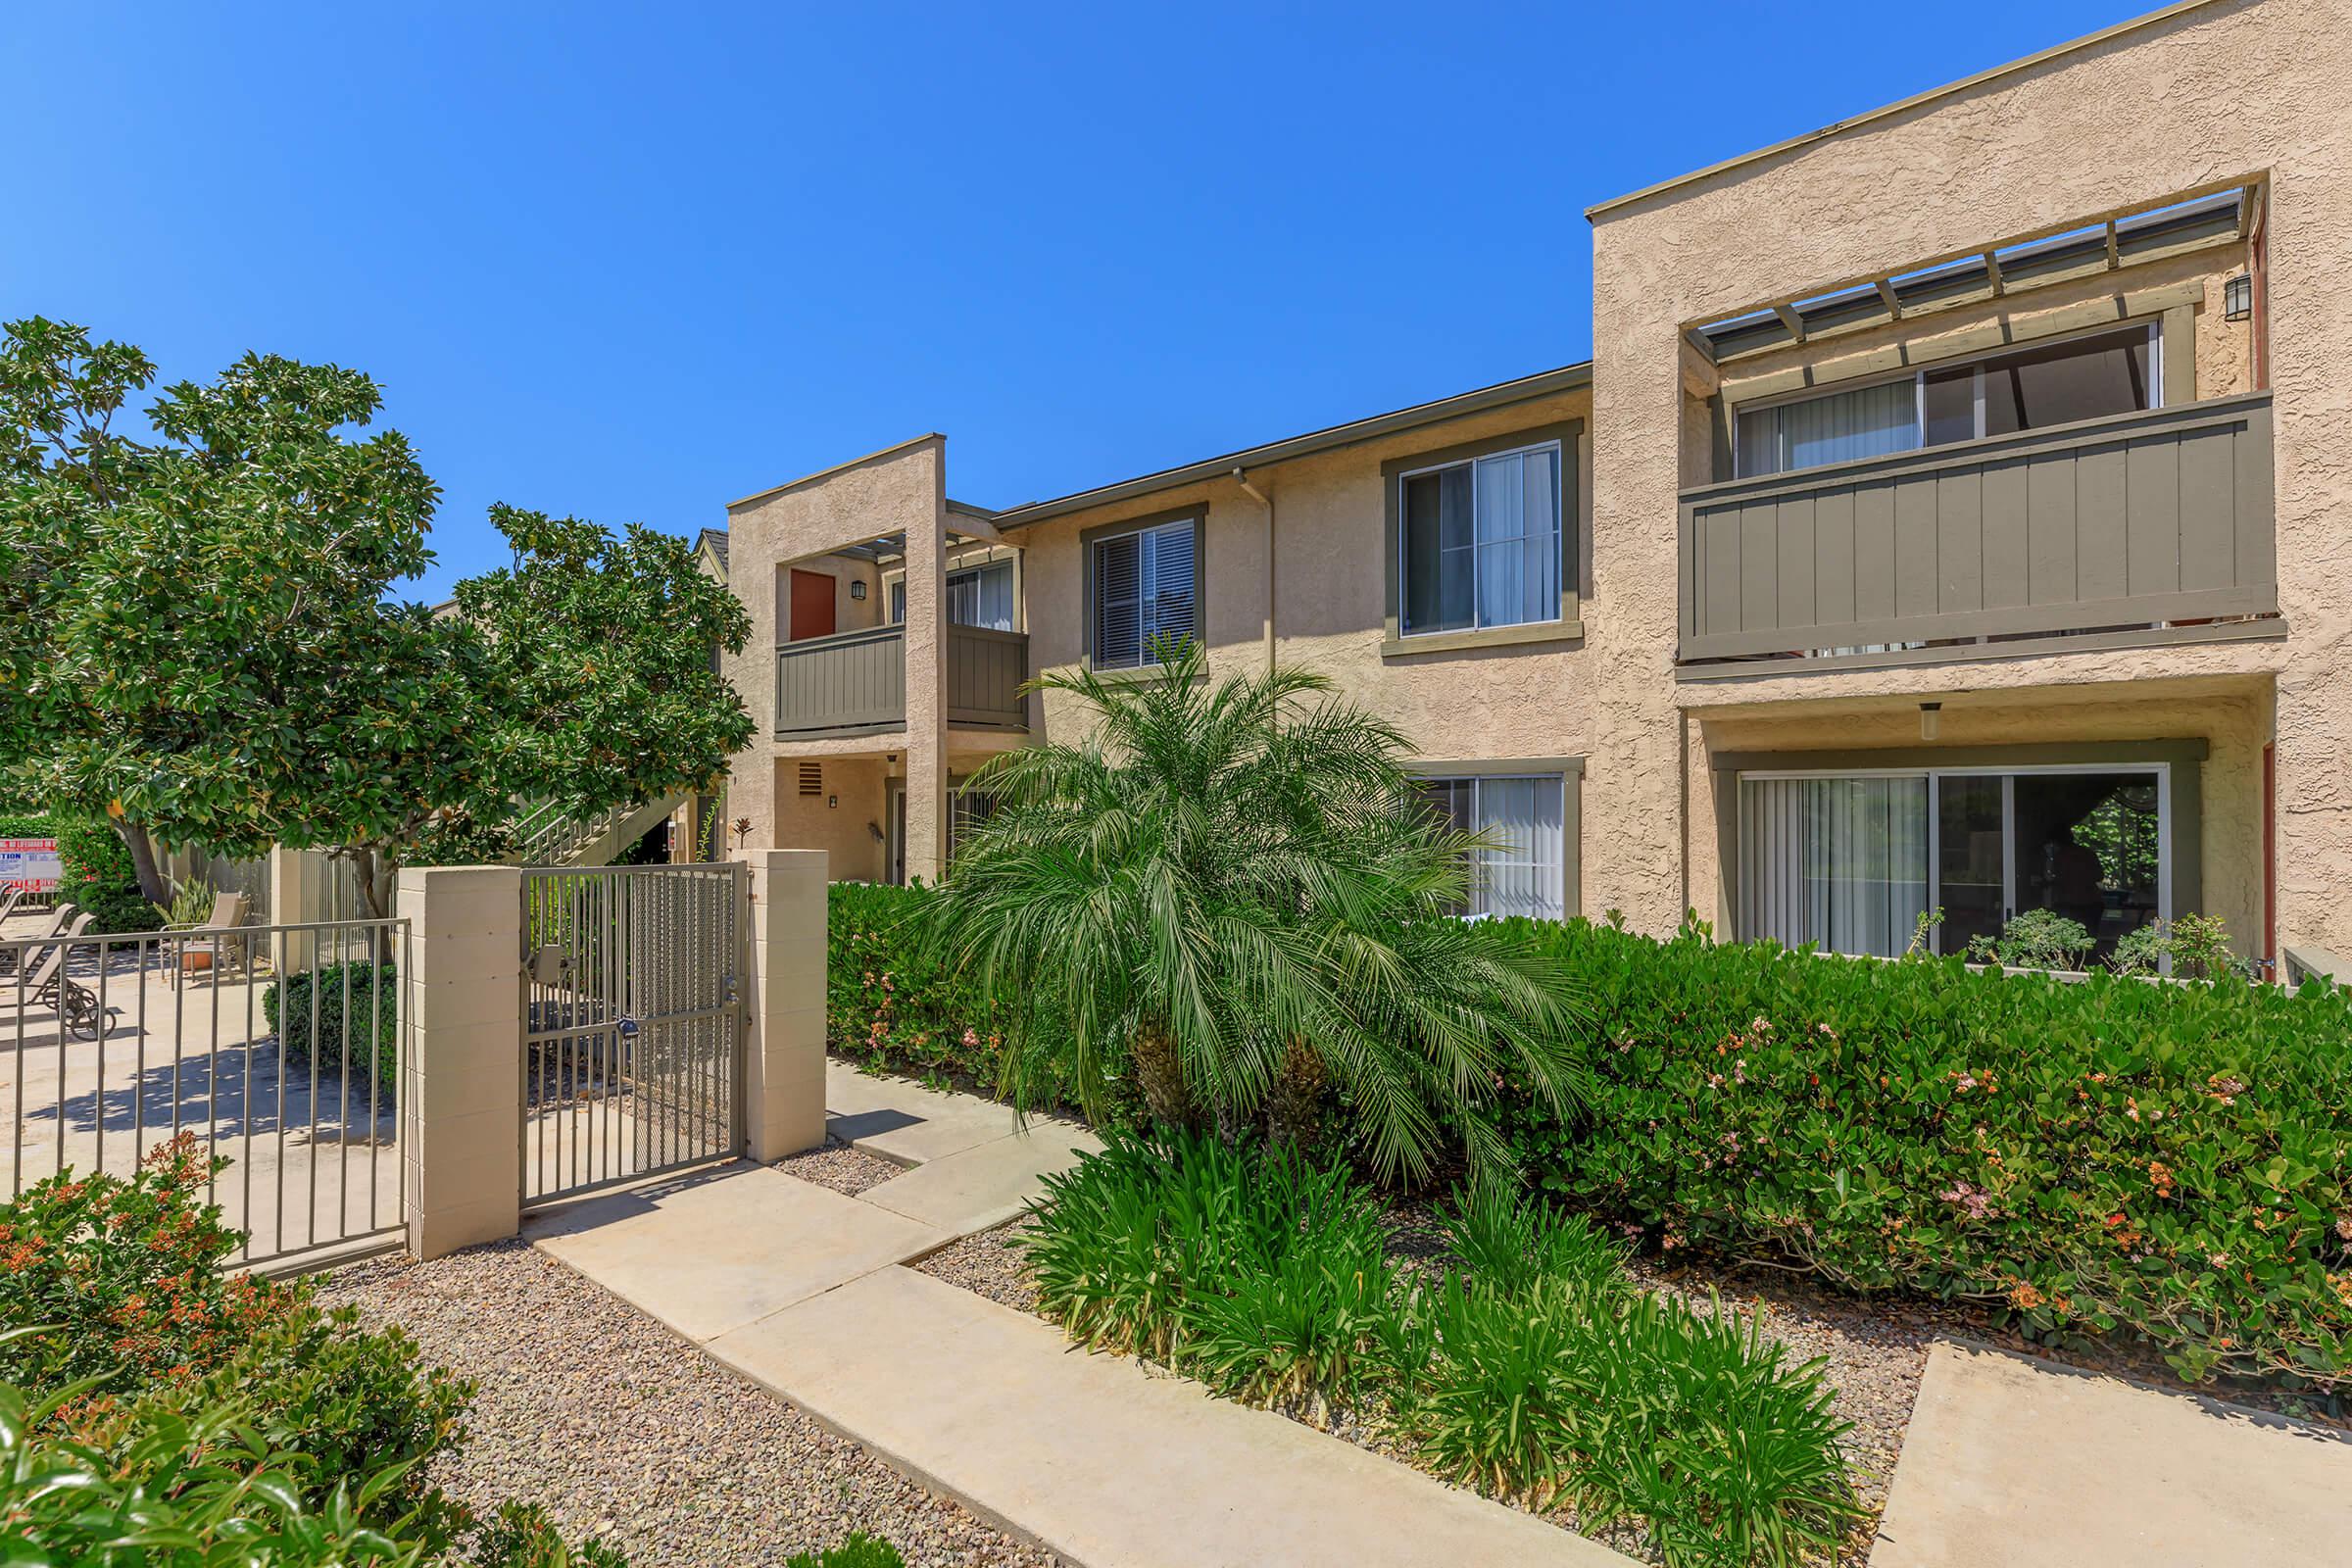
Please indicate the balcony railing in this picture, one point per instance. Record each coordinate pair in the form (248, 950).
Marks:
(856, 682)
(2134, 520)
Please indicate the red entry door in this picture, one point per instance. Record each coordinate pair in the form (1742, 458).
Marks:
(812, 605)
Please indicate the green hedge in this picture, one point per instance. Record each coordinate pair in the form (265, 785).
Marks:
(2110, 1154)
(374, 997)
(891, 1004)
(98, 877)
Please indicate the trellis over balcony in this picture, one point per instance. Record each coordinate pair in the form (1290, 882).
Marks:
(855, 682)
(2136, 528)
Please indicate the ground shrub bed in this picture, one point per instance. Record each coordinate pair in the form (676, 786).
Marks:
(894, 1003)
(156, 1409)
(371, 995)
(1532, 1369)
(2098, 1157)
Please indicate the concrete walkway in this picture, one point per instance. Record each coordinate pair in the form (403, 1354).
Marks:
(1092, 1456)
(2015, 1463)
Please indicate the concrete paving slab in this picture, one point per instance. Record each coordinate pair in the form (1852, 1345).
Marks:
(982, 1187)
(2015, 1463)
(900, 1119)
(713, 1251)
(1105, 1463)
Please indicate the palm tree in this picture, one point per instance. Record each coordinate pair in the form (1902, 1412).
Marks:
(1238, 892)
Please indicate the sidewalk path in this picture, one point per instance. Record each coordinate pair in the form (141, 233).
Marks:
(2015, 1463)
(1092, 1456)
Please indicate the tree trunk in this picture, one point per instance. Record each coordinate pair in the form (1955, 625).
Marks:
(143, 862)
(1160, 1073)
(1295, 1106)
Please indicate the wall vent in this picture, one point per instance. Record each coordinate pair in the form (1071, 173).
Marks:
(812, 778)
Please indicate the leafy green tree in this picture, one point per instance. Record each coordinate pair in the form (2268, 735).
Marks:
(203, 640)
(1236, 890)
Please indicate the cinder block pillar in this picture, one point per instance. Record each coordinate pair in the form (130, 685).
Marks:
(294, 884)
(784, 1077)
(460, 1100)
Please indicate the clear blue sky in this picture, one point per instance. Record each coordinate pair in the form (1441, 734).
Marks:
(631, 262)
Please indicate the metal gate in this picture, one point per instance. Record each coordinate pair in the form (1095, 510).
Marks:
(632, 1052)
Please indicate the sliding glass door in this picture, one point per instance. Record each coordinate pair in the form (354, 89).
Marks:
(1850, 862)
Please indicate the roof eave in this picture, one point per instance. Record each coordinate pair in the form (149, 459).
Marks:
(1526, 388)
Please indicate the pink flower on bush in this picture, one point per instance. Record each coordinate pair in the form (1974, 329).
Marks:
(971, 1037)
(1977, 1201)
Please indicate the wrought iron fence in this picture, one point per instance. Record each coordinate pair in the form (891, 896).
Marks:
(279, 1047)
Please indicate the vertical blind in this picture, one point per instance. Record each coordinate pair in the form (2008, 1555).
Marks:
(1482, 543)
(1838, 862)
(1145, 588)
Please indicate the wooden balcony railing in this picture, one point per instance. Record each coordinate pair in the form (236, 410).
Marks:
(2133, 520)
(855, 682)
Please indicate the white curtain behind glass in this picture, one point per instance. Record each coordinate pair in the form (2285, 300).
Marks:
(1523, 876)
(1838, 862)
(1518, 537)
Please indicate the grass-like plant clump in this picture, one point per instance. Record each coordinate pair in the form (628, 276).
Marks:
(1533, 1368)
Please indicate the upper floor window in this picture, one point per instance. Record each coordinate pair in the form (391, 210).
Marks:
(1146, 586)
(1480, 542)
(977, 596)
(2027, 389)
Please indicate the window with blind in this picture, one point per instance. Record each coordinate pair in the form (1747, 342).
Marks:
(1480, 542)
(1524, 871)
(2027, 389)
(1147, 587)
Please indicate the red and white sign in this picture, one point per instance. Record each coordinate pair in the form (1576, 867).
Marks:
(30, 864)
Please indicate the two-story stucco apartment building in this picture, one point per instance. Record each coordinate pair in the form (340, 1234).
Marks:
(1956, 513)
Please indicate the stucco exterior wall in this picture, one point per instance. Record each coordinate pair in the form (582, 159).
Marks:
(2228, 90)
(842, 831)
(1327, 595)
(900, 489)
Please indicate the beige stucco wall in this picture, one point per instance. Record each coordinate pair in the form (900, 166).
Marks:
(2228, 90)
(806, 822)
(900, 489)
(1327, 598)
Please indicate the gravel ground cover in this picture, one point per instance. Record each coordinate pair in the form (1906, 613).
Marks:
(628, 1433)
(835, 1164)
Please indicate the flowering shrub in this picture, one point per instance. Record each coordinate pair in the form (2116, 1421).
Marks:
(2110, 1156)
(892, 1003)
(123, 1277)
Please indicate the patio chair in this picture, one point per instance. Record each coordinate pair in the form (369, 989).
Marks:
(75, 1003)
(204, 939)
(58, 920)
(8, 902)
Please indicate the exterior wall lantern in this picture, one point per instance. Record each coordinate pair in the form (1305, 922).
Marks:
(2237, 298)
(858, 584)
(1931, 719)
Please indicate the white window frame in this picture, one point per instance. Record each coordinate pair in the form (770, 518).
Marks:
(1918, 375)
(1145, 658)
(1559, 532)
(1558, 869)
(2007, 773)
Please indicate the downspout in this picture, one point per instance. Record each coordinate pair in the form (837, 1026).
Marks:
(1262, 499)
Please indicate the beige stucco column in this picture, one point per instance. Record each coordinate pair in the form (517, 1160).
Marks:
(784, 995)
(927, 684)
(461, 1092)
(294, 882)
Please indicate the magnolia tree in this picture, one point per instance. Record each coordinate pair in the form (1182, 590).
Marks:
(201, 638)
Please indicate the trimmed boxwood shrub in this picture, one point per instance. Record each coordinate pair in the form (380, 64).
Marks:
(375, 997)
(2113, 1154)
